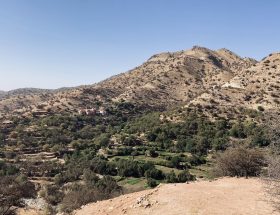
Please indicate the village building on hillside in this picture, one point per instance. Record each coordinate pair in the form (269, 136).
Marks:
(92, 111)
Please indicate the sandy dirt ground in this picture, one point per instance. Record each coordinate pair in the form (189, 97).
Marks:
(29, 212)
(227, 196)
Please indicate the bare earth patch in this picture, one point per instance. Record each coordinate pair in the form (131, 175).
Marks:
(230, 196)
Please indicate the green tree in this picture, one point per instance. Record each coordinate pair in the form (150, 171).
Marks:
(175, 161)
(171, 177)
(102, 140)
(185, 176)
(151, 182)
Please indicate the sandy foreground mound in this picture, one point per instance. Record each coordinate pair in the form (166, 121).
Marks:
(227, 196)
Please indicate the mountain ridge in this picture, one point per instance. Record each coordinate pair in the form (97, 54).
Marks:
(165, 80)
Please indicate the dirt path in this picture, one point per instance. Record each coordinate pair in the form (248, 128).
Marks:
(227, 196)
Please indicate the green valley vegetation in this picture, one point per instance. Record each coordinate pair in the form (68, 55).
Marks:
(84, 158)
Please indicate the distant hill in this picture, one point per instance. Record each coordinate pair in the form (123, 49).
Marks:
(27, 91)
(2, 93)
(24, 91)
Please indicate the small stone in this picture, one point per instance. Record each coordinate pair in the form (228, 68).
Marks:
(146, 203)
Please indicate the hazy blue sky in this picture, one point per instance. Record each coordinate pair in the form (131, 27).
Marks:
(55, 43)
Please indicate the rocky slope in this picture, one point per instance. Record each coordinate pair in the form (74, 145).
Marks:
(173, 78)
(166, 79)
(225, 196)
(256, 87)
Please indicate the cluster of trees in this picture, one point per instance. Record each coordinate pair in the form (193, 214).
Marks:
(63, 128)
(76, 164)
(195, 134)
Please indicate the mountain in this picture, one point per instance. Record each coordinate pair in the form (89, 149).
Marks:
(163, 81)
(202, 78)
(174, 78)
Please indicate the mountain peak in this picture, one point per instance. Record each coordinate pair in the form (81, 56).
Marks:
(201, 48)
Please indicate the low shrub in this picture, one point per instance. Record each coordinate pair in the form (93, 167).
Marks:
(185, 176)
(241, 161)
(151, 182)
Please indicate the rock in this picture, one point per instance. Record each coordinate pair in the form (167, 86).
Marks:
(146, 204)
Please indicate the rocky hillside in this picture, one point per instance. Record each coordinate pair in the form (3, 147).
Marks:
(174, 78)
(164, 80)
(256, 88)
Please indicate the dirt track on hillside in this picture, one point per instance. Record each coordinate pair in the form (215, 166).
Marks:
(227, 196)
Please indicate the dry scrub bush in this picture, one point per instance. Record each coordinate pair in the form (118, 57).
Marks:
(93, 190)
(241, 162)
(273, 179)
(80, 196)
(272, 122)
(12, 190)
